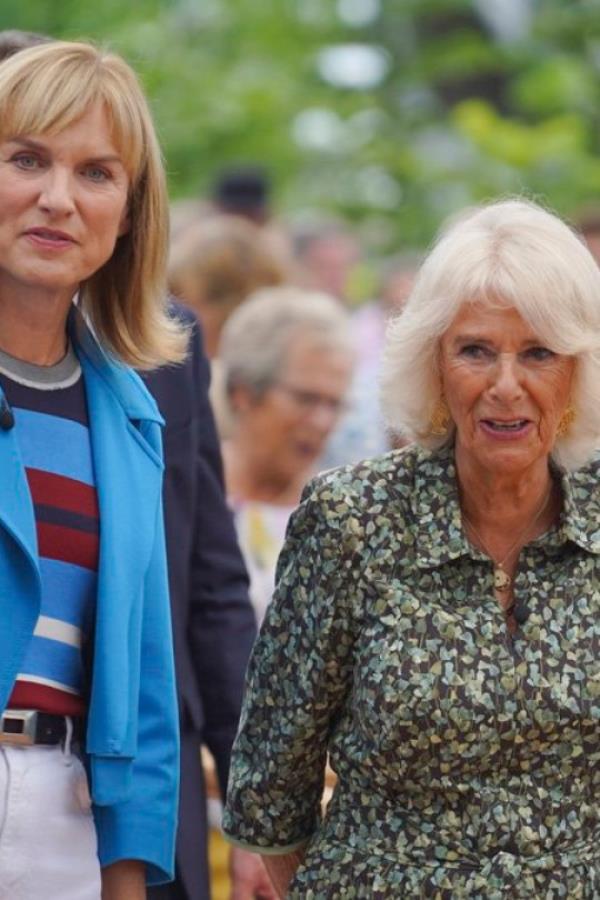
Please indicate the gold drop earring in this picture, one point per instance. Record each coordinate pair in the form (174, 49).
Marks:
(440, 418)
(565, 422)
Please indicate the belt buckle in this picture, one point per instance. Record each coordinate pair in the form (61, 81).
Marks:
(18, 726)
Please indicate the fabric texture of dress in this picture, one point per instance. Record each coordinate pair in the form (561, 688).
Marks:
(467, 758)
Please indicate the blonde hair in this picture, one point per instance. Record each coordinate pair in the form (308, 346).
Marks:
(45, 89)
(510, 253)
(220, 261)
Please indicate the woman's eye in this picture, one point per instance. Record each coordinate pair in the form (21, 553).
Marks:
(474, 351)
(539, 354)
(96, 173)
(26, 161)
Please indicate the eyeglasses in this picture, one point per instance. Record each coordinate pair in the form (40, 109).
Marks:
(310, 400)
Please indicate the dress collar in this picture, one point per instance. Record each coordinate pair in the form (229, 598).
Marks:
(439, 531)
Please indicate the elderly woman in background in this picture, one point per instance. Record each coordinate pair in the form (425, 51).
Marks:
(436, 624)
(86, 669)
(287, 362)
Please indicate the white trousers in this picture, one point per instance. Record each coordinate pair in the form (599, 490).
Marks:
(48, 845)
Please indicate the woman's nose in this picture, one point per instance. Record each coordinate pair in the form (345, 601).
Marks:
(507, 378)
(324, 415)
(56, 193)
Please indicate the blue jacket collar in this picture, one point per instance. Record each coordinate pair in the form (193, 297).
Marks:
(125, 385)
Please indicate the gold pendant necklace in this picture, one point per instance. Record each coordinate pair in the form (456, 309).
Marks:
(502, 580)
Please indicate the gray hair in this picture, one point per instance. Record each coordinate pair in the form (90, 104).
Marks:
(511, 253)
(257, 336)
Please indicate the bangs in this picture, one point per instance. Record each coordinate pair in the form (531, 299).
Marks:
(539, 282)
(47, 100)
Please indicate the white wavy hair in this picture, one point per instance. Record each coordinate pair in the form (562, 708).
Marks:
(513, 253)
(256, 338)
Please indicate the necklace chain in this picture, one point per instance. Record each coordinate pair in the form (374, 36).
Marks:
(502, 580)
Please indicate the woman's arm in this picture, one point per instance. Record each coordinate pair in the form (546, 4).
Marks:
(298, 680)
(282, 869)
(124, 880)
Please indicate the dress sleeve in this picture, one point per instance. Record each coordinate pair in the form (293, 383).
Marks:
(297, 681)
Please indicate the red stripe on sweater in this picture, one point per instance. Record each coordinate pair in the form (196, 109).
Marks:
(64, 493)
(81, 548)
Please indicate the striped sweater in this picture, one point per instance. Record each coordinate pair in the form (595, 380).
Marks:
(52, 432)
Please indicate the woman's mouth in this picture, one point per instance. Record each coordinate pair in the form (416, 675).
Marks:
(506, 428)
(49, 238)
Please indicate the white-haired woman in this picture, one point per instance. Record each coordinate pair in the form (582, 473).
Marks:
(436, 625)
(287, 359)
(86, 671)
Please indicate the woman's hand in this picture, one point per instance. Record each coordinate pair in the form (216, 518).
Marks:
(282, 869)
(249, 879)
(124, 880)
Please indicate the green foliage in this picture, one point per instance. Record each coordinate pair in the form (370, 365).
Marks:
(462, 114)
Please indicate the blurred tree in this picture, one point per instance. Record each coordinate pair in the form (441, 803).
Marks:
(392, 112)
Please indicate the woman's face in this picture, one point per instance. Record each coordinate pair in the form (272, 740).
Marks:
(505, 390)
(63, 204)
(288, 425)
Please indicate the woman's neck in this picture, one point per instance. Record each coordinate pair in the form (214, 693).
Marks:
(503, 502)
(248, 478)
(33, 327)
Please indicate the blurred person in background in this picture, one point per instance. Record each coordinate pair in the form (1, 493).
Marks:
(243, 191)
(326, 253)
(238, 194)
(215, 264)
(397, 275)
(362, 431)
(13, 40)
(588, 225)
(287, 362)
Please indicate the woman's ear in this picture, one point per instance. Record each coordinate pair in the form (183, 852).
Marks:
(241, 398)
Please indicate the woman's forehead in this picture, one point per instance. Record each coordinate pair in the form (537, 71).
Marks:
(479, 317)
(44, 121)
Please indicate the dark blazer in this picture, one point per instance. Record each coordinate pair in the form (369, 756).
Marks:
(213, 621)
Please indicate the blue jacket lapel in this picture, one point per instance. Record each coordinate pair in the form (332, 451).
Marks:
(128, 466)
(19, 572)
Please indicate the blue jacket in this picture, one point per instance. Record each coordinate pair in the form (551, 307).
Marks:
(132, 742)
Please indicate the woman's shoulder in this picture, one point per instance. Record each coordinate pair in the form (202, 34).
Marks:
(374, 495)
(390, 476)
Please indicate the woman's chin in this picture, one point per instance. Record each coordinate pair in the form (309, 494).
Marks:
(502, 456)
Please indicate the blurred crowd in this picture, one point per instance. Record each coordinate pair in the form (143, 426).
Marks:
(294, 356)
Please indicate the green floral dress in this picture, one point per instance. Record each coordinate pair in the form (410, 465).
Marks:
(467, 758)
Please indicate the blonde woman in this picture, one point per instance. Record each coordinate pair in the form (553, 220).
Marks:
(88, 734)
